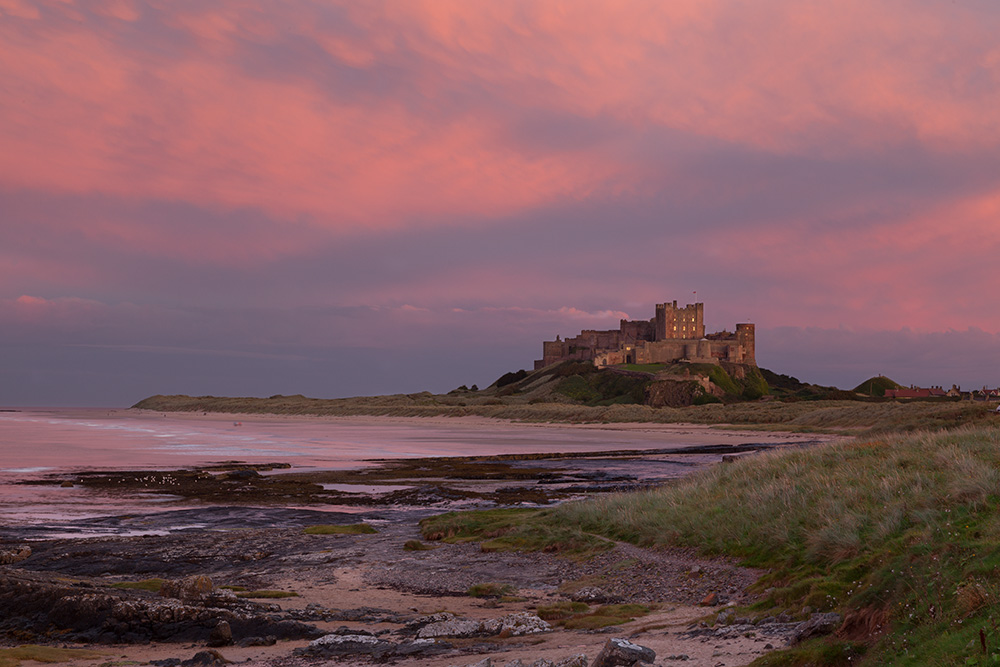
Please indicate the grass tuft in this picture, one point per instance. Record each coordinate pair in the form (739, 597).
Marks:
(491, 590)
(351, 529)
(605, 616)
(417, 545)
(514, 530)
(561, 610)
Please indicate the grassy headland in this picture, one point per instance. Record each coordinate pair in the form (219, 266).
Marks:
(900, 534)
(578, 393)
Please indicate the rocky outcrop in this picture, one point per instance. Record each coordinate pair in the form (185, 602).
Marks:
(35, 607)
(817, 625)
(510, 625)
(316, 612)
(347, 642)
(579, 660)
(515, 625)
(452, 627)
(623, 653)
(189, 589)
(14, 555)
(594, 595)
(221, 634)
(671, 393)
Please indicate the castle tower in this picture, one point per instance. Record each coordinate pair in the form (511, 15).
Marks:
(672, 322)
(746, 336)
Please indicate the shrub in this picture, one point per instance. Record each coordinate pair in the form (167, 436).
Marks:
(511, 378)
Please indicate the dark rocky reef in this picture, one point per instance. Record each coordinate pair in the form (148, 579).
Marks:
(38, 608)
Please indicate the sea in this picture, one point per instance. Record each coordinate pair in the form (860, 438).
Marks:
(47, 443)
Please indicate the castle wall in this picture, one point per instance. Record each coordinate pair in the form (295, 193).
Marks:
(632, 331)
(674, 334)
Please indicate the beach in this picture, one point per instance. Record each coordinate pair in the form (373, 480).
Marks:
(154, 496)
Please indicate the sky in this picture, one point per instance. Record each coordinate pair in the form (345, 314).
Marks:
(340, 198)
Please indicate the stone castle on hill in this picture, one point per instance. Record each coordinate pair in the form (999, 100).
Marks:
(673, 334)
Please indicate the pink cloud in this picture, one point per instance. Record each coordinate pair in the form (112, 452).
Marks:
(93, 112)
(32, 313)
(337, 121)
(921, 270)
(94, 117)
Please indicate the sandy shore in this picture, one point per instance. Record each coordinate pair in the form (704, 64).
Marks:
(693, 433)
(355, 571)
(374, 571)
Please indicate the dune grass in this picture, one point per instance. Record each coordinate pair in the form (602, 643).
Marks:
(854, 417)
(900, 534)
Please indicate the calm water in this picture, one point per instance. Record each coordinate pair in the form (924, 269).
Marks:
(38, 443)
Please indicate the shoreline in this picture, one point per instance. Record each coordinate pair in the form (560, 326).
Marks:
(238, 544)
(723, 430)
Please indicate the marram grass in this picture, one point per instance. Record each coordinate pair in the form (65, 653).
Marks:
(900, 534)
(819, 506)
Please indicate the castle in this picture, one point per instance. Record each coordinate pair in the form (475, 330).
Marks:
(673, 334)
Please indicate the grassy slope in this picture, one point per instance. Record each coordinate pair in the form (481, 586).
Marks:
(900, 532)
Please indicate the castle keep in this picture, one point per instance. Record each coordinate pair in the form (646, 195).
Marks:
(673, 334)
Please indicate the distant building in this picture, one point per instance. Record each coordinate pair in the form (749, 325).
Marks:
(985, 394)
(673, 334)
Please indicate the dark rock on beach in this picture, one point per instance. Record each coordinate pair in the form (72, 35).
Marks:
(36, 607)
(817, 625)
(623, 653)
(347, 642)
(14, 555)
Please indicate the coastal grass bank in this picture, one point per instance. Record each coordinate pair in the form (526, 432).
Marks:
(899, 533)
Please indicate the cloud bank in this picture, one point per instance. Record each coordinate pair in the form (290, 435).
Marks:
(455, 181)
